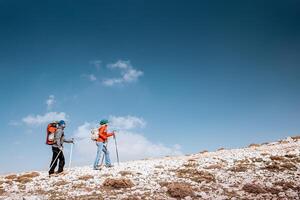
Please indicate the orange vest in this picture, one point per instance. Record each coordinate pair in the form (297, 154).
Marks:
(103, 135)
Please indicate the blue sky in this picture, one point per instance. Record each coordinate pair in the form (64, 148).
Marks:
(200, 74)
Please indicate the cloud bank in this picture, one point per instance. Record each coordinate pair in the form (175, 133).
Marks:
(131, 145)
(46, 118)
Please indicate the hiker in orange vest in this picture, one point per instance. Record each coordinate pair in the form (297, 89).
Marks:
(100, 142)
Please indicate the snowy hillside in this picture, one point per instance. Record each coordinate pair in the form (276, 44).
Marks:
(267, 171)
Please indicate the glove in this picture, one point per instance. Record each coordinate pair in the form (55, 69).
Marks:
(61, 148)
(72, 141)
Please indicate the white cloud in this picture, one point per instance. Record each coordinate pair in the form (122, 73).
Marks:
(128, 73)
(46, 118)
(50, 102)
(131, 145)
(127, 122)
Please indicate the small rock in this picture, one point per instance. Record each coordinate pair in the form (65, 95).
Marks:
(188, 198)
(281, 194)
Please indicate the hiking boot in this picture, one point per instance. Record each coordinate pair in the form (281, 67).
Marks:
(97, 168)
(109, 166)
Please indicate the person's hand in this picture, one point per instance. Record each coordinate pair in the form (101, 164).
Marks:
(61, 148)
(72, 141)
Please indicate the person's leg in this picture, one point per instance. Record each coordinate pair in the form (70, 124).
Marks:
(99, 150)
(107, 158)
(61, 165)
(53, 163)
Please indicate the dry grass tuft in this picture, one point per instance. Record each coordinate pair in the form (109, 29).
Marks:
(297, 137)
(61, 183)
(285, 185)
(85, 178)
(192, 164)
(2, 191)
(118, 183)
(242, 165)
(273, 190)
(220, 149)
(254, 145)
(253, 188)
(125, 173)
(179, 190)
(195, 175)
(204, 151)
(159, 166)
(214, 166)
(279, 158)
(277, 166)
(11, 177)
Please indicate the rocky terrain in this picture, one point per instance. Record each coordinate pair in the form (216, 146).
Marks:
(259, 171)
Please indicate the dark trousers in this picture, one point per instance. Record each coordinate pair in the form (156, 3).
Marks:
(61, 159)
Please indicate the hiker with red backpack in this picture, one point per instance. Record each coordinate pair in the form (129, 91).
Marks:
(101, 140)
(56, 138)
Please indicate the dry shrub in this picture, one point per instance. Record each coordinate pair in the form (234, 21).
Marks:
(220, 149)
(118, 183)
(239, 168)
(279, 158)
(276, 166)
(289, 166)
(285, 185)
(23, 180)
(253, 145)
(85, 178)
(2, 191)
(204, 151)
(273, 190)
(79, 186)
(242, 165)
(159, 166)
(125, 173)
(297, 137)
(191, 164)
(195, 175)
(11, 177)
(253, 188)
(60, 183)
(214, 166)
(290, 155)
(179, 190)
(264, 154)
(31, 175)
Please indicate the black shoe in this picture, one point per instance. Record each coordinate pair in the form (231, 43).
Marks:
(109, 166)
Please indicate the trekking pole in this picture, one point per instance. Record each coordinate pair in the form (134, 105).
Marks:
(54, 160)
(117, 149)
(70, 160)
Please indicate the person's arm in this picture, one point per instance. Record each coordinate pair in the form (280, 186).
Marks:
(69, 141)
(110, 134)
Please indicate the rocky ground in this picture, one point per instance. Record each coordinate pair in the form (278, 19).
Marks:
(265, 171)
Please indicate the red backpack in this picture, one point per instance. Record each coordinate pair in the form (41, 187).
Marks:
(50, 133)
